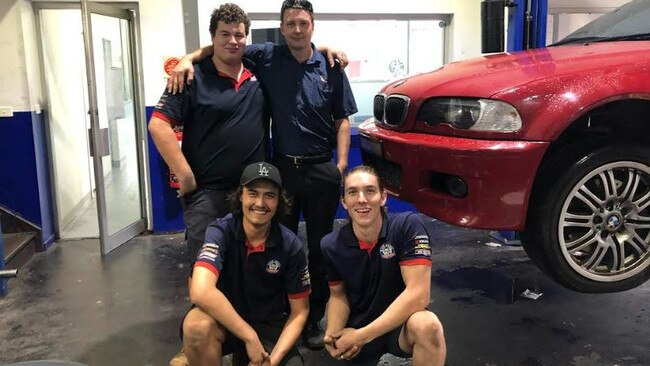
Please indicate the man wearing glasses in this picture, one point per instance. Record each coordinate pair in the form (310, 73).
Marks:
(310, 103)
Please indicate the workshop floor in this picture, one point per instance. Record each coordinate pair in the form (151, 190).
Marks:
(69, 303)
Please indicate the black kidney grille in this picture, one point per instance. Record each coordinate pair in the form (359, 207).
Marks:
(396, 108)
(378, 107)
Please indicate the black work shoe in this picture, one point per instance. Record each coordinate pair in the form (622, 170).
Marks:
(312, 336)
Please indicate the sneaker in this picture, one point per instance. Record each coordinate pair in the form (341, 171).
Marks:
(312, 336)
(179, 360)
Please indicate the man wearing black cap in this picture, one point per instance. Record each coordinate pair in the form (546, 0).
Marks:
(260, 270)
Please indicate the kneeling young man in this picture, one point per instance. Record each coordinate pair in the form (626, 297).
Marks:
(379, 271)
(248, 273)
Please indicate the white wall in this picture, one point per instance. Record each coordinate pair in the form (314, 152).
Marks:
(585, 4)
(163, 35)
(13, 66)
(32, 62)
(67, 105)
(464, 30)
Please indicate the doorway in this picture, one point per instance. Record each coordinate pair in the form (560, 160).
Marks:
(95, 117)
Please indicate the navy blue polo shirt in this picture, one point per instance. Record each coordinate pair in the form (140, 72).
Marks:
(306, 98)
(225, 124)
(257, 281)
(371, 271)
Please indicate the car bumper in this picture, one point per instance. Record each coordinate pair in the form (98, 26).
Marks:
(498, 175)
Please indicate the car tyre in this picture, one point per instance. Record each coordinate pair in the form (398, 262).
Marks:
(589, 221)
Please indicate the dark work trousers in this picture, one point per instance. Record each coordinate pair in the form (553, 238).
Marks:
(315, 191)
(200, 208)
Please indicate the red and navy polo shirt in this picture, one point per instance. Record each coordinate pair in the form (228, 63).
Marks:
(257, 281)
(371, 272)
(225, 124)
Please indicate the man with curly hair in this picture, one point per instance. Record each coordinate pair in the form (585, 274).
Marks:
(225, 126)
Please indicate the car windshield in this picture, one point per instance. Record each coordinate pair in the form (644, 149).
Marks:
(630, 22)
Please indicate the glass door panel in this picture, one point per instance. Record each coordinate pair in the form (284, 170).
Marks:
(114, 134)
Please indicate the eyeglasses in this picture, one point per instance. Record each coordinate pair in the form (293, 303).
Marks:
(297, 4)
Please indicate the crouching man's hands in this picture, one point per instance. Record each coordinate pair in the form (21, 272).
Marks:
(257, 355)
(345, 344)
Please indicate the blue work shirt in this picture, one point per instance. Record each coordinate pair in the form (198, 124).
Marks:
(306, 98)
(258, 281)
(371, 272)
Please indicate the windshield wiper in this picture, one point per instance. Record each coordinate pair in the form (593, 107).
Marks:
(630, 37)
(578, 40)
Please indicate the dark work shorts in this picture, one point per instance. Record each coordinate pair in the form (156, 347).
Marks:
(200, 209)
(268, 333)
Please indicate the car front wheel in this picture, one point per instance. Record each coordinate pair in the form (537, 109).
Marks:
(591, 225)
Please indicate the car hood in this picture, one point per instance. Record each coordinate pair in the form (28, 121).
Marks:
(493, 74)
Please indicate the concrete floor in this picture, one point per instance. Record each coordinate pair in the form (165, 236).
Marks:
(125, 308)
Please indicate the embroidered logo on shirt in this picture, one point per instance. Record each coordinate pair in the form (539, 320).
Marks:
(253, 78)
(209, 251)
(425, 252)
(422, 243)
(387, 251)
(422, 246)
(305, 279)
(273, 266)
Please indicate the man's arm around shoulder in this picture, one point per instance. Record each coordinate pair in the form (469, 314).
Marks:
(342, 143)
(185, 67)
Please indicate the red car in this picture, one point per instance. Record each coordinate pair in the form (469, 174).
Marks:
(553, 143)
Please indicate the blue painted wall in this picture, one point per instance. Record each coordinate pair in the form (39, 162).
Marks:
(41, 155)
(18, 177)
(24, 173)
(167, 211)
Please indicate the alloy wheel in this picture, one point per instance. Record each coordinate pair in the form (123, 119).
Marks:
(604, 224)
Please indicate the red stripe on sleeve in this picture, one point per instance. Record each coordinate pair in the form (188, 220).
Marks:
(334, 283)
(209, 267)
(300, 295)
(165, 118)
(416, 262)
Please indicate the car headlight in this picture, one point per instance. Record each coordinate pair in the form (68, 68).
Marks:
(471, 114)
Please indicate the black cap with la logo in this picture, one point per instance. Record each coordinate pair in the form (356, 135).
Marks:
(261, 170)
